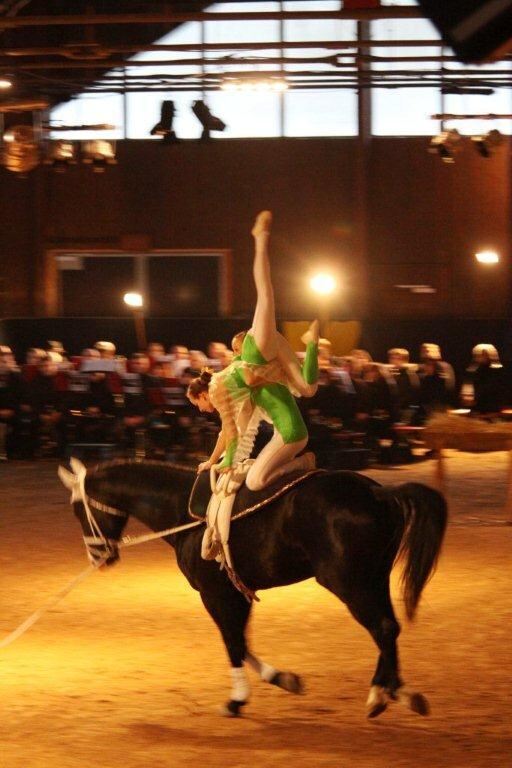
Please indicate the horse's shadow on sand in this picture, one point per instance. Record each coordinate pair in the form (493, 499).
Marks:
(301, 734)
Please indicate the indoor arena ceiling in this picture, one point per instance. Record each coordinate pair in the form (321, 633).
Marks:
(54, 49)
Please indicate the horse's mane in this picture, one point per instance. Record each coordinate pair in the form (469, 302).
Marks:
(146, 462)
(114, 482)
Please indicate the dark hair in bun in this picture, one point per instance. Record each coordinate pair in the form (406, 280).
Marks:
(199, 384)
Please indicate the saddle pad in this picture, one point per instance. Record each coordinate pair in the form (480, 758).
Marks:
(245, 500)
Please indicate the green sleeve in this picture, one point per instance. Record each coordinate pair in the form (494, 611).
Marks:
(310, 367)
(227, 461)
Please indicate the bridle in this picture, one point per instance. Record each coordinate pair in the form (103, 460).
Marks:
(99, 547)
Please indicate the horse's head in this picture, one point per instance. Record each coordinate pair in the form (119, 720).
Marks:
(102, 525)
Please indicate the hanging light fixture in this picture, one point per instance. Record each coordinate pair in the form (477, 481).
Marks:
(207, 120)
(487, 144)
(164, 126)
(445, 145)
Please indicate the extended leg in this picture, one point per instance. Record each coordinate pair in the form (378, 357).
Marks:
(264, 328)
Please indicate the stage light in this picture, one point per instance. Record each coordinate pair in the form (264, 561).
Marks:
(323, 284)
(487, 257)
(5, 84)
(133, 300)
(445, 145)
(164, 126)
(207, 120)
(60, 154)
(99, 153)
(485, 145)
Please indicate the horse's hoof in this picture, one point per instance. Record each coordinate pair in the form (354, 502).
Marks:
(377, 701)
(420, 705)
(232, 708)
(376, 710)
(415, 701)
(288, 681)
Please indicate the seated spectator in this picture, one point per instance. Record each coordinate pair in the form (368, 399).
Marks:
(485, 387)
(436, 390)
(57, 353)
(376, 407)
(107, 349)
(8, 356)
(407, 383)
(358, 358)
(197, 362)
(137, 405)
(10, 397)
(180, 360)
(429, 351)
(42, 401)
(324, 353)
(90, 353)
(155, 351)
(89, 407)
(334, 401)
(215, 352)
(29, 368)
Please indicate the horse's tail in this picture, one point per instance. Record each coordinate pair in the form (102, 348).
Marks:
(425, 515)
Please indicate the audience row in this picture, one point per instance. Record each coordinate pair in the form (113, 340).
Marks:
(51, 402)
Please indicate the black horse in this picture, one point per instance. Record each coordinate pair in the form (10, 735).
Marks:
(341, 528)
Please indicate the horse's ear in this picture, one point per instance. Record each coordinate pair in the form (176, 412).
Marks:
(68, 478)
(77, 466)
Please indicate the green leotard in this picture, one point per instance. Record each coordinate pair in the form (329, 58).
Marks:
(275, 399)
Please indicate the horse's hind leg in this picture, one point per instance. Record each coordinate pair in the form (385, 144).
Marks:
(379, 619)
(370, 604)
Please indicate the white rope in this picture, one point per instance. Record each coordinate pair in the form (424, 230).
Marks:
(49, 604)
(127, 541)
(132, 541)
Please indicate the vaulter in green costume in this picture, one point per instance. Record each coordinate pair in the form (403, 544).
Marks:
(261, 384)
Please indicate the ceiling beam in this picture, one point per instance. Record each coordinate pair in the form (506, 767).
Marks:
(370, 14)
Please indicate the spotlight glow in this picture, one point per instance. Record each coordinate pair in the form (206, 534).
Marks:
(133, 299)
(487, 257)
(323, 283)
(5, 83)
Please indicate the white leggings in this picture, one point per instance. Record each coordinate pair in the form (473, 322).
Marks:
(275, 460)
(268, 340)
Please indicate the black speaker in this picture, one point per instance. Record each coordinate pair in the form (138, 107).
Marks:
(477, 30)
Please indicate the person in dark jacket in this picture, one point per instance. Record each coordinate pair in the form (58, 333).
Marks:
(485, 386)
(10, 398)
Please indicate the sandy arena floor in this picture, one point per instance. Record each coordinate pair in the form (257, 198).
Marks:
(129, 671)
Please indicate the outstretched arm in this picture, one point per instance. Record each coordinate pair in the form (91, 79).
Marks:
(220, 447)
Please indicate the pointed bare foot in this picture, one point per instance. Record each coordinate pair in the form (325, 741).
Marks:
(312, 334)
(262, 224)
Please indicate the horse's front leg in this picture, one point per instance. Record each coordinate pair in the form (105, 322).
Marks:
(230, 611)
(288, 681)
